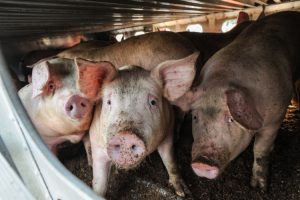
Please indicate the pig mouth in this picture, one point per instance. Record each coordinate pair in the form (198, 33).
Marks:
(205, 167)
(129, 162)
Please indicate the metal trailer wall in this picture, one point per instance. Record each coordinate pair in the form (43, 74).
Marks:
(33, 17)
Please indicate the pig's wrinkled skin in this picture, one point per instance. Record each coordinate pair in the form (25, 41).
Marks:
(132, 120)
(243, 92)
(61, 96)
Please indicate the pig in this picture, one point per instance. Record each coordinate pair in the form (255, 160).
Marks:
(131, 121)
(242, 93)
(60, 98)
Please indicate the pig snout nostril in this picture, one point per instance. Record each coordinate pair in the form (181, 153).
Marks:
(77, 107)
(117, 147)
(70, 107)
(126, 149)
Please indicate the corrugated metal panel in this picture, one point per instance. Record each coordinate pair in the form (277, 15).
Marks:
(32, 17)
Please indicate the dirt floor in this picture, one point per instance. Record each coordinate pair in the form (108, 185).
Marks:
(150, 180)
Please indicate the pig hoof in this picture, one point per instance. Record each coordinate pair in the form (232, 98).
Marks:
(259, 182)
(180, 187)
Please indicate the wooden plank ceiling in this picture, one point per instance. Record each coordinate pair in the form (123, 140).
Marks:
(40, 17)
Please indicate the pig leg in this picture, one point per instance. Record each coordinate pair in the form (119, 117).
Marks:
(263, 145)
(101, 170)
(166, 153)
(88, 149)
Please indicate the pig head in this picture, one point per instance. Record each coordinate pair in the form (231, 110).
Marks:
(131, 121)
(61, 96)
(134, 114)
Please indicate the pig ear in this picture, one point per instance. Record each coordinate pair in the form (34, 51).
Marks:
(92, 76)
(243, 110)
(40, 77)
(176, 76)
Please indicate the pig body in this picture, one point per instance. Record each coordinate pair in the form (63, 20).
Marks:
(146, 50)
(243, 92)
(60, 98)
(151, 49)
(132, 120)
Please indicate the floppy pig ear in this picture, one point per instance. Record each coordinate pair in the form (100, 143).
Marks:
(40, 77)
(92, 76)
(243, 110)
(176, 76)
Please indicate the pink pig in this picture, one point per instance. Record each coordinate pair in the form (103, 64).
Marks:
(61, 97)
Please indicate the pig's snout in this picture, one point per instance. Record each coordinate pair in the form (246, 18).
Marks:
(126, 149)
(205, 167)
(77, 107)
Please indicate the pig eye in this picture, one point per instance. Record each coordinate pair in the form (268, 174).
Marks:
(195, 117)
(152, 100)
(51, 86)
(108, 102)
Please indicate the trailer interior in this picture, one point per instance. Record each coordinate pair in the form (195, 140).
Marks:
(30, 27)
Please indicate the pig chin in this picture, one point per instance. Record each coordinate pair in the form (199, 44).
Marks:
(128, 166)
(209, 164)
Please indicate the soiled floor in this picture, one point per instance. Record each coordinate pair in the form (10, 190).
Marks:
(150, 180)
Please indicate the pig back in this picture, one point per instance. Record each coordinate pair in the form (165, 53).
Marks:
(210, 43)
(281, 31)
(146, 50)
(262, 59)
